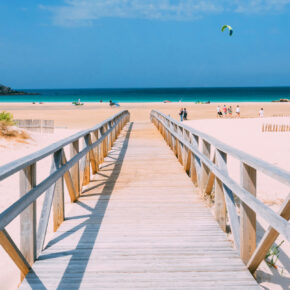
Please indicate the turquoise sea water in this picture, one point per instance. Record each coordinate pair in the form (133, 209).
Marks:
(259, 94)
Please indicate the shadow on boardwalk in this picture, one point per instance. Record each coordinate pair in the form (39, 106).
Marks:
(96, 217)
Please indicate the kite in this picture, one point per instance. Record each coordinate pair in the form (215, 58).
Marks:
(230, 29)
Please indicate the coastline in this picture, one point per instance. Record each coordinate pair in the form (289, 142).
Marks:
(80, 117)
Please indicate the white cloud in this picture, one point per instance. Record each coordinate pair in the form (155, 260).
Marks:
(84, 12)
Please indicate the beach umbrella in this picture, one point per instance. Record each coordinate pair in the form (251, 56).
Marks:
(229, 28)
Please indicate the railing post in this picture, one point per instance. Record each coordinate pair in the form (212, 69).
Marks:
(58, 204)
(102, 146)
(86, 163)
(180, 146)
(96, 150)
(219, 199)
(204, 170)
(247, 216)
(75, 170)
(28, 216)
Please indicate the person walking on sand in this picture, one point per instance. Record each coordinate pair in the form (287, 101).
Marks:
(181, 114)
(230, 111)
(238, 111)
(184, 114)
(225, 110)
(261, 113)
(218, 112)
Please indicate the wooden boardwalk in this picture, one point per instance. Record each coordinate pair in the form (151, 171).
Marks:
(139, 225)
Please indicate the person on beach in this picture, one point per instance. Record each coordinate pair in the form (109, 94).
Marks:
(225, 110)
(261, 113)
(184, 114)
(230, 111)
(219, 114)
(181, 114)
(238, 111)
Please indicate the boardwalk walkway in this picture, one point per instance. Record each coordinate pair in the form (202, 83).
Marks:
(139, 224)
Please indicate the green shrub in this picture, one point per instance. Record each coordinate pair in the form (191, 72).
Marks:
(7, 118)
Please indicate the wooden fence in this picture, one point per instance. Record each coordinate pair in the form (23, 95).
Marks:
(74, 171)
(44, 126)
(275, 128)
(209, 175)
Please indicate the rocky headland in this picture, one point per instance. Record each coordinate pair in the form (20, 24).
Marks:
(8, 91)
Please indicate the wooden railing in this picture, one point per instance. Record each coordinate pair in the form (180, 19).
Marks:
(212, 175)
(75, 172)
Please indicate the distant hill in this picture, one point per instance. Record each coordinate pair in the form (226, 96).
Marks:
(8, 91)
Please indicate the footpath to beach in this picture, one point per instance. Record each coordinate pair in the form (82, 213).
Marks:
(139, 224)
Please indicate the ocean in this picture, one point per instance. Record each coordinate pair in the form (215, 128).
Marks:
(215, 95)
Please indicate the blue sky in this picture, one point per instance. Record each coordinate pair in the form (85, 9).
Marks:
(144, 43)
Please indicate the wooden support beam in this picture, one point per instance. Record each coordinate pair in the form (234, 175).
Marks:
(75, 170)
(28, 216)
(221, 158)
(204, 169)
(92, 158)
(15, 254)
(193, 173)
(210, 181)
(96, 150)
(68, 181)
(194, 140)
(101, 147)
(58, 204)
(268, 239)
(47, 204)
(247, 215)
(220, 205)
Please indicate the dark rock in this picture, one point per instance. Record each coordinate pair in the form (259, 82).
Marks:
(8, 91)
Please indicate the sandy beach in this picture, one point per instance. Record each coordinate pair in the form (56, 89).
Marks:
(79, 117)
(244, 133)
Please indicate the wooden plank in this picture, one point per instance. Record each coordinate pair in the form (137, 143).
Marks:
(268, 239)
(47, 204)
(247, 215)
(123, 232)
(75, 170)
(12, 250)
(28, 216)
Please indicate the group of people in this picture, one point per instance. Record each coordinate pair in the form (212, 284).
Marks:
(228, 111)
(183, 114)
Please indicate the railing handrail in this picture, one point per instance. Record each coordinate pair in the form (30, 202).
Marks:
(75, 172)
(21, 163)
(212, 176)
(267, 168)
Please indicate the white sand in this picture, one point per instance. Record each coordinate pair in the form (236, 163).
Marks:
(273, 147)
(9, 192)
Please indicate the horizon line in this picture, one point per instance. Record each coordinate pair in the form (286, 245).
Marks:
(157, 88)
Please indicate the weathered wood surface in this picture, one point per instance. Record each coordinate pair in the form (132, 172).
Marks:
(139, 224)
